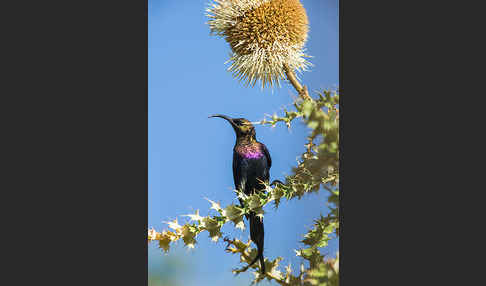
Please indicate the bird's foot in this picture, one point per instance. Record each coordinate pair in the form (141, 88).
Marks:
(276, 181)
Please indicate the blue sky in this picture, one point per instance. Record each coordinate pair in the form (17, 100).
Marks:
(190, 156)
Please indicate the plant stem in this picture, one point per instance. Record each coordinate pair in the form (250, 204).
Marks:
(278, 280)
(302, 90)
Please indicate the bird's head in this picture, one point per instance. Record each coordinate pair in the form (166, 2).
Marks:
(243, 128)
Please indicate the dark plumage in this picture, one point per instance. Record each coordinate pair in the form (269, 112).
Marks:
(251, 166)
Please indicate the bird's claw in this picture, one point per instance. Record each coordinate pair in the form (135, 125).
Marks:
(276, 181)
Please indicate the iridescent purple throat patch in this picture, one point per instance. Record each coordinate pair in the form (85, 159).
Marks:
(253, 155)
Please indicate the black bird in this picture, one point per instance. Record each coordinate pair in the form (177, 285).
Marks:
(251, 167)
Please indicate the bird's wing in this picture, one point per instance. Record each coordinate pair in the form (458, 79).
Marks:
(267, 155)
(239, 175)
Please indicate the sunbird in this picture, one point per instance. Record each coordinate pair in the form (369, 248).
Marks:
(251, 169)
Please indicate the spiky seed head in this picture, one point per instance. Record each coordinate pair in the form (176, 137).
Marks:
(263, 35)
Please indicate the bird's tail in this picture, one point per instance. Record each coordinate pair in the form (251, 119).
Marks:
(257, 236)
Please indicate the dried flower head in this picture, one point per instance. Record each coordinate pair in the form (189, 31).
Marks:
(263, 35)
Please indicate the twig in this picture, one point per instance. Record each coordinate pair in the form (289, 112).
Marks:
(248, 258)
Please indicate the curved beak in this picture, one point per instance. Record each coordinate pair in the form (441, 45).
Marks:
(229, 119)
